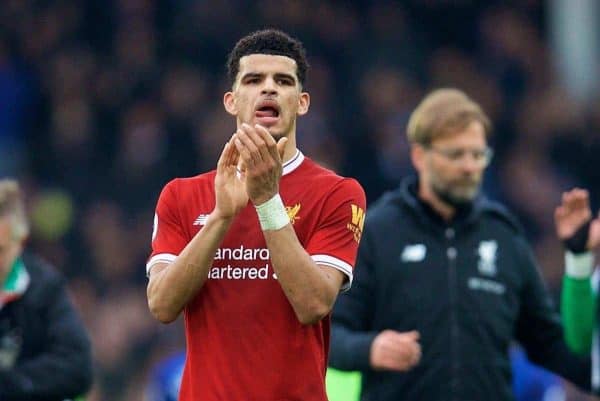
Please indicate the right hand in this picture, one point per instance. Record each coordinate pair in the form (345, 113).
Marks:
(392, 350)
(262, 156)
(230, 189)
(574, 212)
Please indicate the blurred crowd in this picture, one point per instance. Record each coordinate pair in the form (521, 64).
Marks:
(102, 102)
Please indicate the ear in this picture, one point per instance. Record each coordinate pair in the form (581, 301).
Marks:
(417, 156)
(229, 103)
(303, 103)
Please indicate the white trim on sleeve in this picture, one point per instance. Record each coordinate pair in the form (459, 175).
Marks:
(346, 268)
(579, 265)
(162, 258)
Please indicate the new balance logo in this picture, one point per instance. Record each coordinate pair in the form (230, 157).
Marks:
(201, 220)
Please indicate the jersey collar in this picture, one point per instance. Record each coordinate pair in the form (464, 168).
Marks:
(16, 283)
(293, 163)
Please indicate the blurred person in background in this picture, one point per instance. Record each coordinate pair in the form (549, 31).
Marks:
(45, 352)
(579, 231)
(443, 269)
(165, 378)
(530, 382)
(256, 279)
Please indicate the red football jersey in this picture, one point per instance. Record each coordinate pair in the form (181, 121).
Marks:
(244, 342)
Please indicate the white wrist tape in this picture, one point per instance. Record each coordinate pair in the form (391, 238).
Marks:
(579, 265)
(272, 214)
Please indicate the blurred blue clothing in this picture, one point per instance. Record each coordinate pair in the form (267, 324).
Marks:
(530, 382)
(166, 379)
(533, 383)
(15, 99)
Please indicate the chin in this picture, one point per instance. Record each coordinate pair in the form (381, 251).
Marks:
(277, 135)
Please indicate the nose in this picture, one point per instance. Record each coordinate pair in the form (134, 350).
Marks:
(269, 87)
(470, 163)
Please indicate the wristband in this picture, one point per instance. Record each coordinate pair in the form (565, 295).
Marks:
(272, 214)
(577, 243)
(579, 265)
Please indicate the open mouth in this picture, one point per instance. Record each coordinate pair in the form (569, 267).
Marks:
(267, 113)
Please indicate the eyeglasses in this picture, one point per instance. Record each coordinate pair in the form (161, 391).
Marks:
(481, 156)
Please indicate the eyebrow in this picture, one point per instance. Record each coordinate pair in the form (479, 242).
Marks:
(279, 75)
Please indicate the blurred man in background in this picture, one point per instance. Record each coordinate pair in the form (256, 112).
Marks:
(443, 267)
(257, 279)
(45, 353)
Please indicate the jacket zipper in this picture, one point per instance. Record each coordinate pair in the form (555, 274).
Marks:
(451, 254)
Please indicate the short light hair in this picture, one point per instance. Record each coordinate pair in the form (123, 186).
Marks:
(13, 207)
(444, 112)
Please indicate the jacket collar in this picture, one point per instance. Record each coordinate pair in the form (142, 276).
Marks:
(408, 195)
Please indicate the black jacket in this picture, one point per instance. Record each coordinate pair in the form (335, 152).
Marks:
(469, 287)
(53, 351)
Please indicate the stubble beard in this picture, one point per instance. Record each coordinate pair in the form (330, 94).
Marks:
(456, 197)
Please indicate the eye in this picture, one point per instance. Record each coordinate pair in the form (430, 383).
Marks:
(479, 154)
(455, 154)
(285, 81)
(251, 80)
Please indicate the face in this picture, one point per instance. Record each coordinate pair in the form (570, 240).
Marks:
(267, 92)
(453, 166)
(10, 248)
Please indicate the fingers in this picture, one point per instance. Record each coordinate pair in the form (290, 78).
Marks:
(576, 198)
(392, 350)
(273, 147)
(228, 157)
(281, 147)
(255, 143)
(413, 335)
(247, 149)
(276, 149)
(574, 203)
(594, 234)
(400, 338)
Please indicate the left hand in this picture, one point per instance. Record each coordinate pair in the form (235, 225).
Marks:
(573, 213)
(262, 157)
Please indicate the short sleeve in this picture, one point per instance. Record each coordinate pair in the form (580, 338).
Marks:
(168, 238)
(339, 230)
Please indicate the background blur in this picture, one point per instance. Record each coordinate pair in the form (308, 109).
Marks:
(102, 102)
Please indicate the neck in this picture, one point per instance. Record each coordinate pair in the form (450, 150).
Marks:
(446, 211)
(289, 152)
(290, 149)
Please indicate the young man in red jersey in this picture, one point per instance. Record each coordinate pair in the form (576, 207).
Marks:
(256, 251)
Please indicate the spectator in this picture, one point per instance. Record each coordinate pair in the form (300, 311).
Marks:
(580, 233)
(44, 349)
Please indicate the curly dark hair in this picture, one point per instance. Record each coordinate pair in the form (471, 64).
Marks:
(268, 41)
